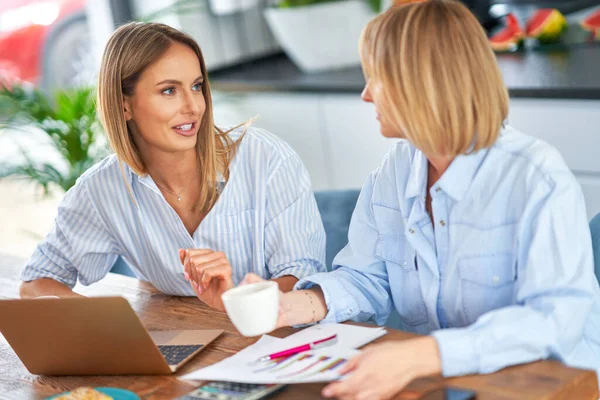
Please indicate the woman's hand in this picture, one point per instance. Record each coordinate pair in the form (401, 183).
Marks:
(209, 274)
(281, 319)
(382, 370)
(295, 307)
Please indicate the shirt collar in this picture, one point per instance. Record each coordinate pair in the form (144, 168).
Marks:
(461, 172)
(147, 179)
(417, 178)
(454, 181)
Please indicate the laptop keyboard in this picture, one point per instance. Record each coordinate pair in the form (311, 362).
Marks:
(176, 354)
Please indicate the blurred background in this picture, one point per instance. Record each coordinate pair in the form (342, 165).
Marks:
(292, 63)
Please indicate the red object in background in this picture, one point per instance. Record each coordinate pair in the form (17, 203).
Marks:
(592, 22)
(510, 38)
(21, 49)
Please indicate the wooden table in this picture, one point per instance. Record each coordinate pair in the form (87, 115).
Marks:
(540, 380)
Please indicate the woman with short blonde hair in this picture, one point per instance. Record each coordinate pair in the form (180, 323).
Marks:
(446, 94)
(191, 207)
(474, 233)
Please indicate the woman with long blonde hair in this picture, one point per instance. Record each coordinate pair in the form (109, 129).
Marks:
(475, 233)
(191, 207)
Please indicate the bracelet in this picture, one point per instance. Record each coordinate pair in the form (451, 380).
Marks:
(307, 292)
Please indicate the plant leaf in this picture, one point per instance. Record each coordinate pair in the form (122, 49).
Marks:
(69, 121)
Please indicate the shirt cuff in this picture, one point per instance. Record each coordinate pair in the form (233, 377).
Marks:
(40, 266)
(458, 351)
(343, 308)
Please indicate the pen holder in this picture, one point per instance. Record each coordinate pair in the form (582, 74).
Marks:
(253, 309)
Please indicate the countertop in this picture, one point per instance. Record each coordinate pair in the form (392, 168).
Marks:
(555, 74)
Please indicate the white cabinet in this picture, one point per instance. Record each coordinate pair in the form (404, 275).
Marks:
(355, 145)
(573, 127)
(294, 118)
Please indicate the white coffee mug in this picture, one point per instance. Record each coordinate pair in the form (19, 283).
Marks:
(253, 308)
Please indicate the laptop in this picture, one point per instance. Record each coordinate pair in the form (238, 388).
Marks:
(93, 336)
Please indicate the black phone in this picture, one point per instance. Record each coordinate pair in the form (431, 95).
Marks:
(450, 394)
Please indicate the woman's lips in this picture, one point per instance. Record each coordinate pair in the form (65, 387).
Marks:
(186, 130)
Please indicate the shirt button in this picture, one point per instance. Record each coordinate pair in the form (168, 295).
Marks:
(437, 189)
(349, 311)
(442, 222)
(411, 230)
(495, 279)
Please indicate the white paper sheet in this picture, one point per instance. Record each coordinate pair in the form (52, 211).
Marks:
(348, 336)
(314, 366)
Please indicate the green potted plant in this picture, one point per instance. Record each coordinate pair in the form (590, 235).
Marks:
(321, 34)
(67, 119)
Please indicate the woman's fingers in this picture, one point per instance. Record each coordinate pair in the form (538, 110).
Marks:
(189, 269)
(346, 388)
(196, 288)
(351, 384)
(220, 272)
(182, 255)
(203, 256)
(251, 278)
(350, 365)
(199, 261)
(208, 260)
(190, 257)
(215, 263)
(202, 262)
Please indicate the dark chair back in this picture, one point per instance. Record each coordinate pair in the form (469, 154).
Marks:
(121, 267)
(336, 207)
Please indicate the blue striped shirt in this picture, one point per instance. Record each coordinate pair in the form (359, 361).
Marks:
(266, 221)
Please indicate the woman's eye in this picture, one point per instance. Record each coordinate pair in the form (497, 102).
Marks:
(169, 91)
(198, 86)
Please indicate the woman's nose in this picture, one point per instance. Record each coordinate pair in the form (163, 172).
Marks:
(366, 95)
(191, 104)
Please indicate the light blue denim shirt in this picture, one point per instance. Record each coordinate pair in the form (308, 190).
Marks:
(266, 221)
(504, 277)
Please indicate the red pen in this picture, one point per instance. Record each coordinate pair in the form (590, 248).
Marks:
(309, 346)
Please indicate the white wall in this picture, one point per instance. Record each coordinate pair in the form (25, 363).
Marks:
(100, 23)
(338, 137)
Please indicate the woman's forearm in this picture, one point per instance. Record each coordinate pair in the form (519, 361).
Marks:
(45, 287)
(305, 306)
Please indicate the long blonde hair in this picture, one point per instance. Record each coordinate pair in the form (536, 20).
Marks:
(131, 49)
(438, 74)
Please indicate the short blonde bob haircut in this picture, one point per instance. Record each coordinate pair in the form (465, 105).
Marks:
(441, 85)
(131, 49)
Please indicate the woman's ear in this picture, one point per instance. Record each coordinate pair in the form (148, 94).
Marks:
(127, 108)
